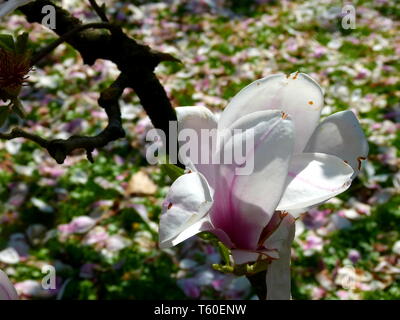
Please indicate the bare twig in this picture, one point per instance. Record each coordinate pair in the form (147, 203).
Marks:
(20, 133)
(99, 10)
(60, 148)
(48, 49)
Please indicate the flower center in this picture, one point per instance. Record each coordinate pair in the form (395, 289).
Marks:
(13, 69)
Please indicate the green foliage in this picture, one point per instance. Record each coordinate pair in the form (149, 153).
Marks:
(173, 171)
(7, 42)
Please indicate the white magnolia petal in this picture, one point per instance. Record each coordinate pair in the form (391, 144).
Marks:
(191, 230)
(245, 256)
(196, 117)
(278, 272)
(9, 6)
(200, 124)
(314, 178)
(7, 290)
(298, 95)
(247, 193)
(340, 135)
(298, 212)
(188, 200)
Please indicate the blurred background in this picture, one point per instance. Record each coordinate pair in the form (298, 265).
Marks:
(97, 223)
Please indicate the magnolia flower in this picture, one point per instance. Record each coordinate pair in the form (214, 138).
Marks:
(9, 6)
(14, 69)
(298, 163)
(7, 290)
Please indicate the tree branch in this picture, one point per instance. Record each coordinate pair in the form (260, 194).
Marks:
(99, 10)
(259, 284)
(20, 133)
(60, 148)
(136, 62)
(48, 49)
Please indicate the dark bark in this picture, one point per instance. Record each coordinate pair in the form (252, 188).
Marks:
(259, 284)
(136, 62)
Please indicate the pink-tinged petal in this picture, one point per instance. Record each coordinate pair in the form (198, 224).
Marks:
(314, 178)
(221, 234)
(7, 290)
(340, 135)
(178, 225)
(200, 121)
(82, 224)
(246, 256)
(298, 95)
(188, 201)
(278, 272)
(246, 194)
